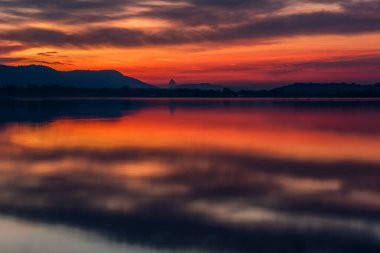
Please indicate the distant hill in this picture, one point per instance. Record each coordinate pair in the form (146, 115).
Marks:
(255, 87)
(333, 88)
(199, 86)
(326, 90)
(217, 87)
(42, 75)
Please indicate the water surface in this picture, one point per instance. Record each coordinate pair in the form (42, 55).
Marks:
(190, 176)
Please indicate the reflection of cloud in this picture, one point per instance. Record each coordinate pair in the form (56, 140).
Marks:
(202, 174)
(202, 191)
(112, 177)
(247, 215)
(308, 185)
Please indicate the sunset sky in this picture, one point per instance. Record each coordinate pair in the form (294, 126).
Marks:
(235, 42)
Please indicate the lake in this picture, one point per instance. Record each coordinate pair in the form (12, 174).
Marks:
(190, 175)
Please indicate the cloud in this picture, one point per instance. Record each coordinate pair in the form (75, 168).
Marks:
(192, 21)
(215, 13)
(269, 28)
(52, 62)
(279, 68)
(47, 54)
(5, 49)
(71, 11)
(363, 61)
(7, 60)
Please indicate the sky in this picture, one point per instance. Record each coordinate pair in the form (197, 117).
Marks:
(235, 42)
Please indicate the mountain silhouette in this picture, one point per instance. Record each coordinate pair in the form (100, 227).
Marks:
(327, 90)
(42, 75)
(43, 81)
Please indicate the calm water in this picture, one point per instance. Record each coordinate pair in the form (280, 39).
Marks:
(151, 176)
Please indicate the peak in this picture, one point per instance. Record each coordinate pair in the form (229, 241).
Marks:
(172, 83)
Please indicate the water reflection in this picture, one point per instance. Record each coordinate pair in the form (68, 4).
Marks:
(198, 175)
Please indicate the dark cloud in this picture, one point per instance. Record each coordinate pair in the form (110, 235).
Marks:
(364, 7)
(71, 11)
(215, 13)
(308, 24)
(47, 54)
(51, 62)
(7, 60)
(195, 21)
(10, 48)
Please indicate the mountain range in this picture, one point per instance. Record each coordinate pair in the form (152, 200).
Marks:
(42, 75)
(326, 90)
(36, 75)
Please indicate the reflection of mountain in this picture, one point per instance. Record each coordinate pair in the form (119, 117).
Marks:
(42, 111)
(41, 75)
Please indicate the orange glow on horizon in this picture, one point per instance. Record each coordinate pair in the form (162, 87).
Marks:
(284, 61)
(199, 41)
